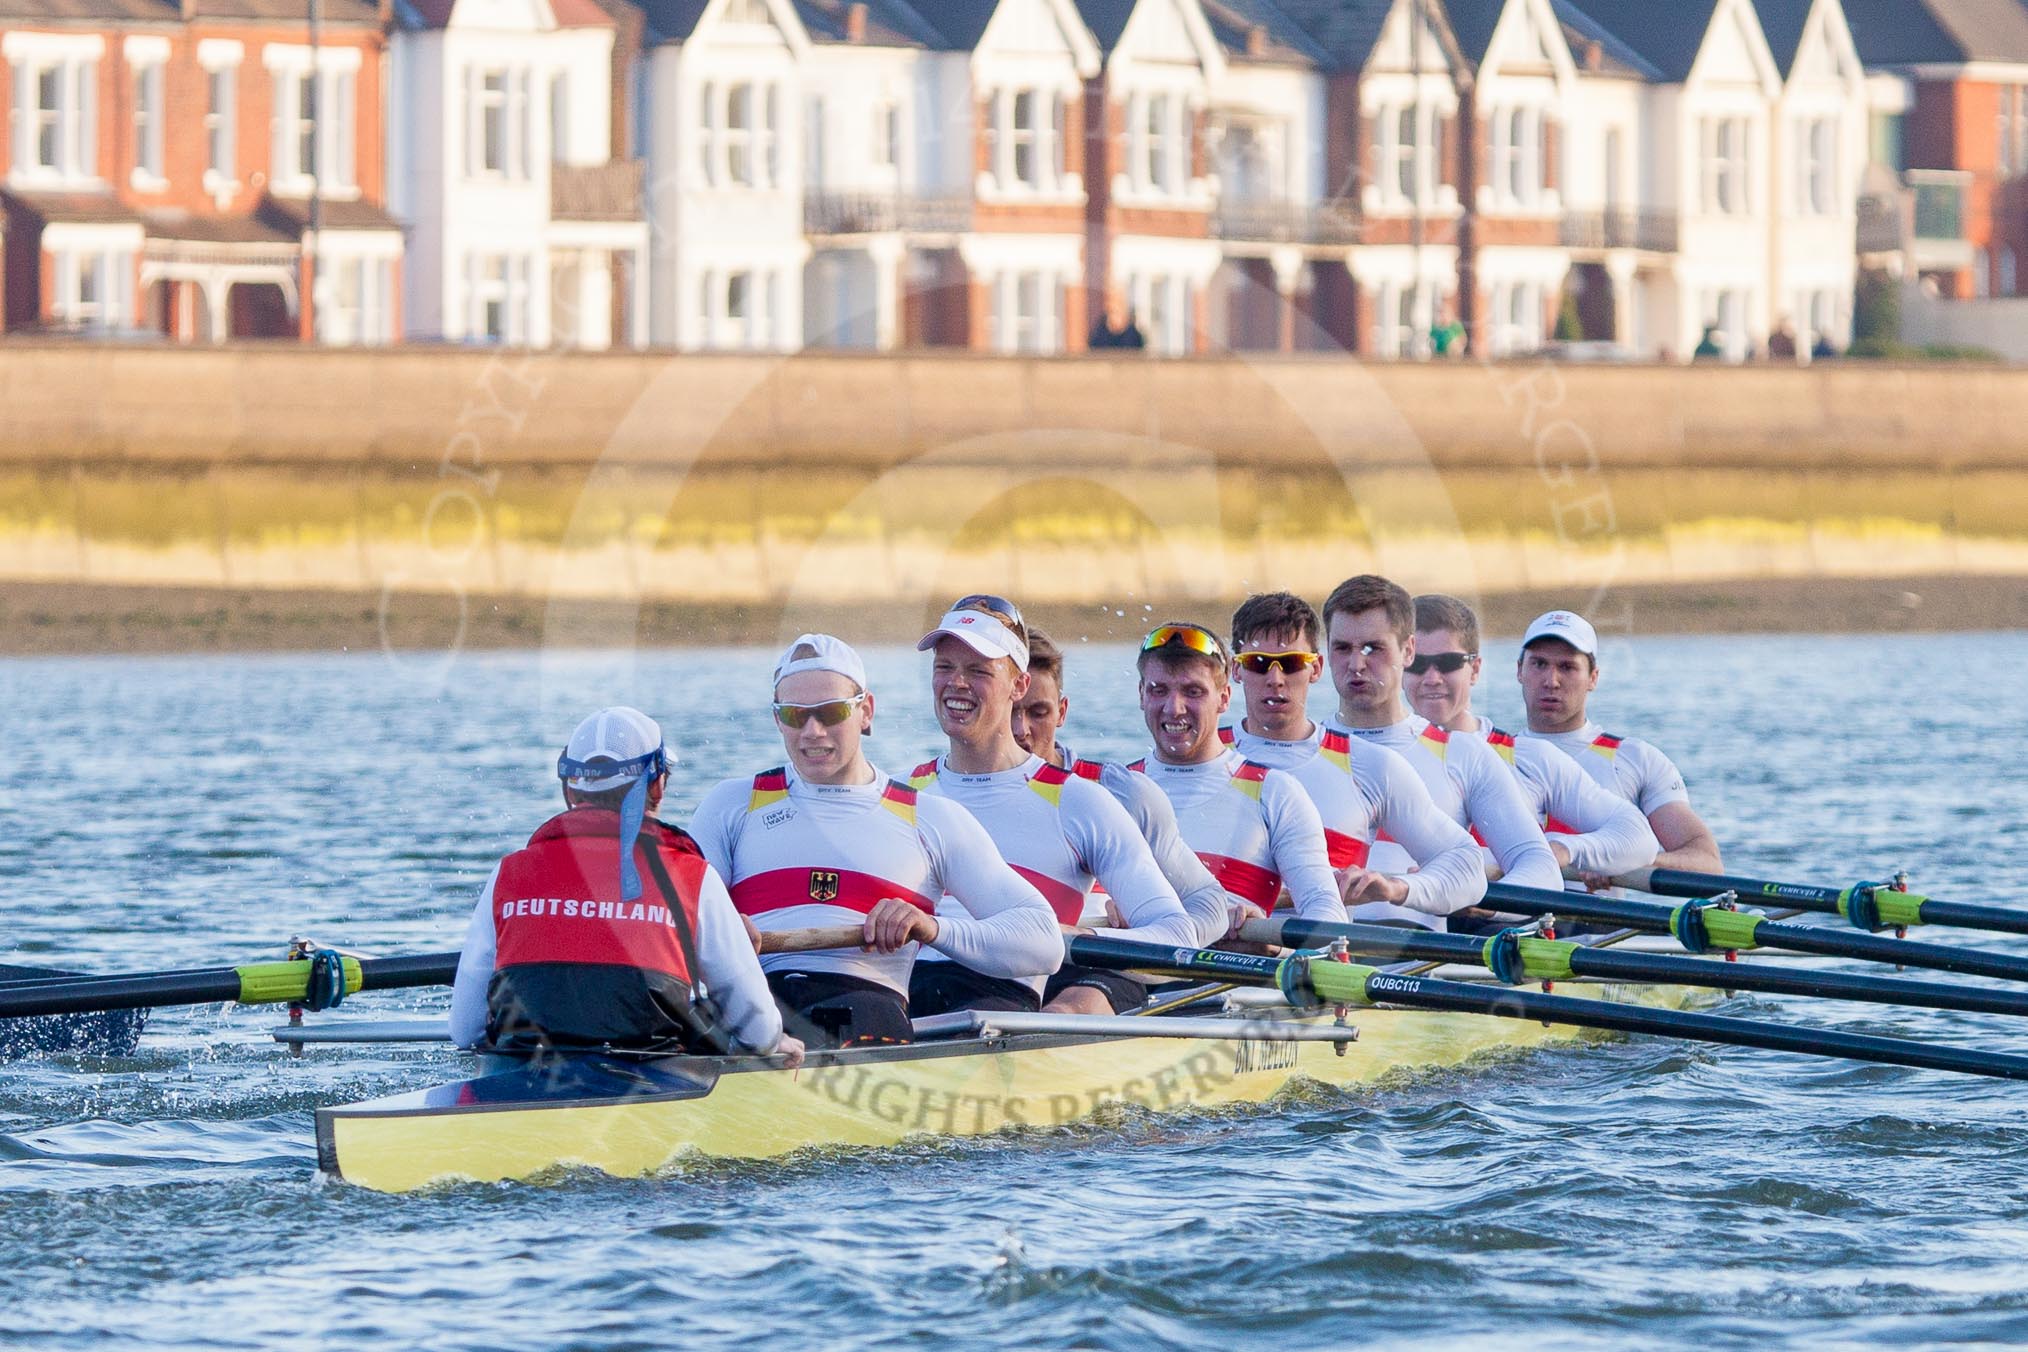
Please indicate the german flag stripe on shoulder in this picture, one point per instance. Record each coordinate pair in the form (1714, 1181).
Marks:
(769, 786)
(1249, 777)
(1336, 747)
(1606, 744)
(1436, 739)
(922, 774)
(899, 799)
(1502, 742)
(1228, 736)
(1139, 767)
(1048, 782)
(1092, 770)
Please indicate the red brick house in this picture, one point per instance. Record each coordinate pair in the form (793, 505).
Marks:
(1966, 64)
(172, 166)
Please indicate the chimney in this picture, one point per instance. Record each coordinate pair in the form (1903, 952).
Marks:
(855, 22)
(1594, 55)
(1256, 41)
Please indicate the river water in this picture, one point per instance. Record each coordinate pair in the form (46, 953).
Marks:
(190, 811)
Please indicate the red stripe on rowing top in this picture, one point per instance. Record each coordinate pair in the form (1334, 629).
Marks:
(1050, 774)
(1345, 851)
(1608, 741)
(861, 892)
(1065, 900)
(1227, 736)
(1250, 882)
(1560, 828)
(1477, 837)
(1089, 769)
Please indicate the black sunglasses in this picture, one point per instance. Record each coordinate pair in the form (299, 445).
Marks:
(1444, 662)
(997, 606)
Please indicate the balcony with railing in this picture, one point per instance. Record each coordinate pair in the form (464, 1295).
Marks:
(827, 214)
(596, 192)
(1652, 231)
(1278, 221)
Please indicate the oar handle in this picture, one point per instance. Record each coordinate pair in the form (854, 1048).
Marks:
(810, 940)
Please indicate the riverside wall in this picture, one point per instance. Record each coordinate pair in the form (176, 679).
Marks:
(784, 482)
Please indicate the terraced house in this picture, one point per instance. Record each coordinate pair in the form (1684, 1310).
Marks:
(198, 169)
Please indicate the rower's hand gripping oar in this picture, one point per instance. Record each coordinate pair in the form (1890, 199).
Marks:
(1514, 957)
(1703, 928)
(1306, 981)
(1869, 906)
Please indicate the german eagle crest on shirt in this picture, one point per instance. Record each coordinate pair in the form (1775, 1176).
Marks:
(823, 885)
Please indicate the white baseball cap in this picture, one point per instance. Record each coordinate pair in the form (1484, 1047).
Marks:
(1567, 625)
(985, 634)
(626, 737)
(826, 653)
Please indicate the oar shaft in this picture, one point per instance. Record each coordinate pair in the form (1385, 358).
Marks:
(1765, 933)
(1669, 882)
(1511, 1003)
(1327, 982)
(1556, 960)
(249, 984)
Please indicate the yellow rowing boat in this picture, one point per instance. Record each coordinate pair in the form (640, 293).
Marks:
(632, 1117)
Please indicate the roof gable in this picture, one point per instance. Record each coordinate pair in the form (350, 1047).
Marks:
(1258, 31)
(1528, 40)
(1029, 27)
(759, 20)
(1667, 37)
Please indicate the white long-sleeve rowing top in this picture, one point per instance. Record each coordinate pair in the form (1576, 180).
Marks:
(799, 855)
(1365, 792)
(1254, 828)
(1062, 832)
(1152, 814)
(1635, 770)
(1603, 832)
(1473, 787)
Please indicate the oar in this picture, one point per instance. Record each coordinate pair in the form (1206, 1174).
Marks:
(252, 984)
(274, 982)
(1707, 929)
(1306, 981)
(1517, 957)
(1870, 906)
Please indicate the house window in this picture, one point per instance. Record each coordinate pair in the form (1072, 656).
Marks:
(886, 133)
(220, 86)
(771, 144)
(304, 135)
(1155, 144)
(813, 142)
(92, 288)
(1517, 158)
(738, 302)
(1027, 156)
(490, 298)
(2010, 278)
(56, 116)
(148, 126)
(1059, 133)
(738, 136)
(1408, 153)
(559, 118)
(1028, 313)
(1726, 165)
(1816, 167)
(493, 122)
(313, 127)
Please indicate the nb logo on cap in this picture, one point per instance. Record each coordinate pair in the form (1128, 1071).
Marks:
(966, 620)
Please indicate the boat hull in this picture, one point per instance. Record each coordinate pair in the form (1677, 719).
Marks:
(635, 1117)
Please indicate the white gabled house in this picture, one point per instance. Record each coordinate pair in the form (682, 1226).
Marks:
(723, 132)
(524, 227)
(1819, 160)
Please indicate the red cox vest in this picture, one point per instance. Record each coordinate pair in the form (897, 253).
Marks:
(577, 966)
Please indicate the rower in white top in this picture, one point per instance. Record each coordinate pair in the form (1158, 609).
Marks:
(1360, 790)
(1558, 670)
(1369, 627)
(1039, 715)
(1252, 825)
(829, 840)
(1591, 830)
(1057, 829)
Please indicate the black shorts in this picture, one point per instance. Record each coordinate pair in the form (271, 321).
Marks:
(827, 1009)
(941, 987)
(1121, 991)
